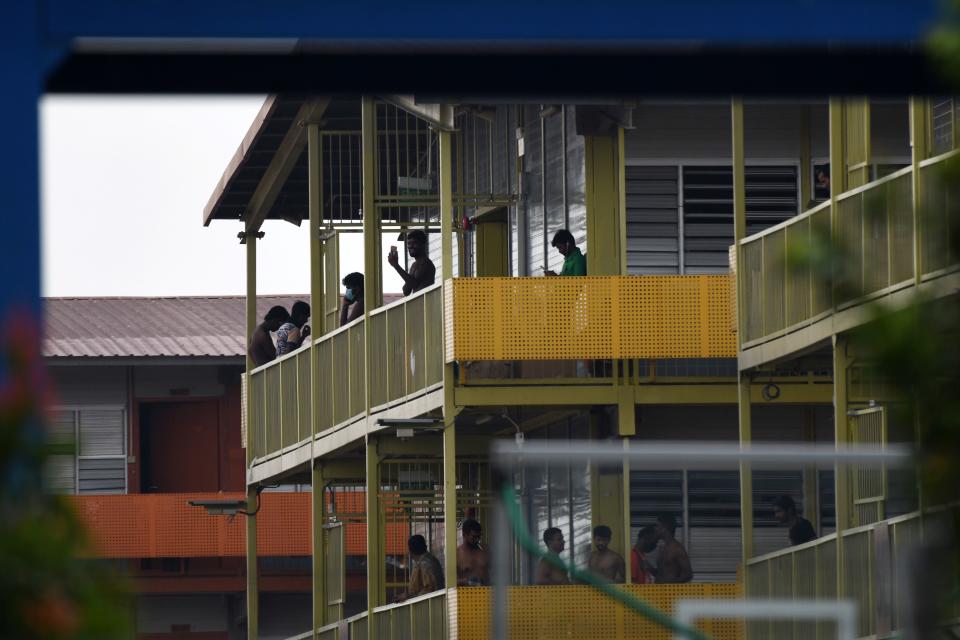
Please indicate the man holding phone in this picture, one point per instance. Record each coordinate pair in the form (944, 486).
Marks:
(574, 262)
(422, 272)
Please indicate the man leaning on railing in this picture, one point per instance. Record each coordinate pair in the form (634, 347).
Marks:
(426, 573)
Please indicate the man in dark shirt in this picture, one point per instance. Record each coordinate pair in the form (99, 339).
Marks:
(261, 349)
(785, 511)
(422, 272)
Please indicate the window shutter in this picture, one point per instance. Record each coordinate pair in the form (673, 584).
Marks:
(102, 475)
(101, 432)
(652, 226)
(60, 471)
(771, 193)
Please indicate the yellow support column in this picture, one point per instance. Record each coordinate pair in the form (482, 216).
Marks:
(317, 303)
(811, 498)
(918, 153)
(743, 379)
(806, 162)
(746, 473)
(253, 595)
(838, 173)
(841, 430)
(606, 246)
(372, 255)
(449, 407)
(376, 593)
(627, 533)
(318, 517)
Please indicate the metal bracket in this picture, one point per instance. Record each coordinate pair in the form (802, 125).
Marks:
(243, 235)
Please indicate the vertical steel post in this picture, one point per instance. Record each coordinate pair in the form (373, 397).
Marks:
(375, 560)
(317, 309)
(743, 378)
(841, 438)
(372, 259)
(449, 407)
(253, 608)
(811, 496)
(806, 162)
(621, 186)
(318, 516)
(627, 536)
(918, 153)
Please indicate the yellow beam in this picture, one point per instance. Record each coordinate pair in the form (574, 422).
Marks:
(806, 161)
(251, 312)
(918, 153)
(625, 518)
(739, 207)
(446, 203)
(253, 588)
(838, 173)
(282, 163)
(602, 197)
(841, 437)
(343, 470)
(449, 380)
(375, 560)
(745, 422)
(811, 497)
(318, 518)
(317, 483)
(559, 395)
(372, 258)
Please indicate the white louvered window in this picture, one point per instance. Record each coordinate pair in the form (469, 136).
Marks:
(680, 217)
(98, 462)
(706, 505)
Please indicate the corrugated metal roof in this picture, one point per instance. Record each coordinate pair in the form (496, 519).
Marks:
(152, 327)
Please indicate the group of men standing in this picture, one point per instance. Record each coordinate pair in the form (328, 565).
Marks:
(672, 564)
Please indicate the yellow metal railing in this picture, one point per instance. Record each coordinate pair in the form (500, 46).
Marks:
(278, 404)
(810, 571)
(941, 213)
(580, 611)
(407, 347)
(424, 617)
(357, 627)
(803, 571)
(871, 228)
(406, 359)
(602, 317)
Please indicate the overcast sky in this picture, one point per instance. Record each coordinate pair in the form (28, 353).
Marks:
(124, 183)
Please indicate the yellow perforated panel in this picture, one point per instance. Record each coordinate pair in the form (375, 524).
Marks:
(580, 611)
(589, 318)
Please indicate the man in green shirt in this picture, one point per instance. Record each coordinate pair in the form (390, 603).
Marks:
(574, 262)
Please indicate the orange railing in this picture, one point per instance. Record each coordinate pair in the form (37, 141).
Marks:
(163, 525)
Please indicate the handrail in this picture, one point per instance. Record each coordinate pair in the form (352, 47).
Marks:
(405, 358)
(785, 223)
(899, 173)
(279, 359)
(878, 235)
(421, 598)
(939, 158)
(404, 300)
(779, 553)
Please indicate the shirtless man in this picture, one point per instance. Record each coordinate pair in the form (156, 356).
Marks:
(606, 564)
(548, 573)
(261, 349)
(473, 560)
(673, 563)
(422, 272)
